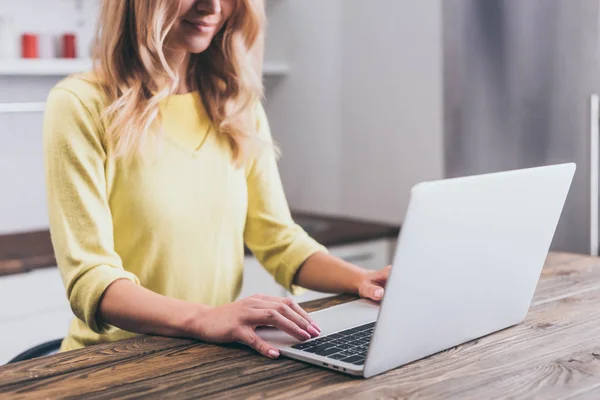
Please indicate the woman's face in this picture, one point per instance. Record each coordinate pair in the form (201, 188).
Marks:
(198, 23)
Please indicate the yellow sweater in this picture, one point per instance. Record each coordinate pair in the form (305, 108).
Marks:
(175, 222)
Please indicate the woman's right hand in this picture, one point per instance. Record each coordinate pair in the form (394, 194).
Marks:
(236, 322)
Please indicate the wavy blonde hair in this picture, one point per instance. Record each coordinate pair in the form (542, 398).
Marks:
(129, 60)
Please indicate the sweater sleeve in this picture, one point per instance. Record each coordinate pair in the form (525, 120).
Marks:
(278, 243)
(79, 214)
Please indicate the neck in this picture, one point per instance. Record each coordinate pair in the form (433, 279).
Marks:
(179, 63)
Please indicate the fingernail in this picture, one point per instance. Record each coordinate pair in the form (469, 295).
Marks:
(312, 331)
(273, 353)
(379, 293)
(316, 326)
(304, 334)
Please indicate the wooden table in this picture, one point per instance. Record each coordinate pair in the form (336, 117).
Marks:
(554, 354)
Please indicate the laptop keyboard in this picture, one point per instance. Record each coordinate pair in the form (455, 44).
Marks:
(350, 345)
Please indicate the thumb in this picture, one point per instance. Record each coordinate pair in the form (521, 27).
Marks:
(254, 341)
(384, 272)
(373, 292)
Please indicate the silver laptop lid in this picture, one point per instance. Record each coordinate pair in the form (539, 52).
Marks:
(468, 259)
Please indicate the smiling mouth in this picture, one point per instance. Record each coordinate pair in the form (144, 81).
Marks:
(201, 26)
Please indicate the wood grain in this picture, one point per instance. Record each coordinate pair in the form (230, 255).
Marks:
(564, 274)
(321, 304)
(586, 393)
(95, 356)
(553, 354)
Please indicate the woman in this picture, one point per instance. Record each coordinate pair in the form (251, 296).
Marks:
(160, 166)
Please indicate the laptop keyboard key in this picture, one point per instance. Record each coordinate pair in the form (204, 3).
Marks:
(344, 346)
(343, 341)
(353, 359)
(328, 351)
(303, 346)
(338, 356)
(321, 340)
(319, 349)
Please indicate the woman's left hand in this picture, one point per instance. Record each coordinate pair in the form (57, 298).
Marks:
(372, 284)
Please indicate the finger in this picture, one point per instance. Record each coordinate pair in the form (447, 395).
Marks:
(292, 315)
(294, 306)
(273, 317)
(250, 338)
(382, 275)
(373, 292)
(384, 272)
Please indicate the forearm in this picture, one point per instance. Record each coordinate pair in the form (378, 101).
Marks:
(325, 273)
(137, 309)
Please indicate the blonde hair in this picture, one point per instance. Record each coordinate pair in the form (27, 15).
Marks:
(129, 60)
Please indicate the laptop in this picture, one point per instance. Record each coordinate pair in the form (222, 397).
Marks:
(466, 264)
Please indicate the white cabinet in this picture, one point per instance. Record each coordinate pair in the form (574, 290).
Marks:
(371, 255)
(33, 310)
(31, 330)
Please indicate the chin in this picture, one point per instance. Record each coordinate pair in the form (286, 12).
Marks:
(198, 45)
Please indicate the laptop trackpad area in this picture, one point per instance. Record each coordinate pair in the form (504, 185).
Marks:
(330, 320)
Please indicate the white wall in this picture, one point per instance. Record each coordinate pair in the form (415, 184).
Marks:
(392, 104)
(359, 120)
(305, 108)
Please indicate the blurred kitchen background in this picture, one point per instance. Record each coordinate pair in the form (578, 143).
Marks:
(365, 99)
(354, 97)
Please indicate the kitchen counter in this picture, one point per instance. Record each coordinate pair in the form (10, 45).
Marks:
(24, 252)
(27, 251)
(554, 353)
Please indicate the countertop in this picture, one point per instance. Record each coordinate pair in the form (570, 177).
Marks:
(32, 250)
(554, 353)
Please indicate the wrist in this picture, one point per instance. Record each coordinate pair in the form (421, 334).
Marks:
(358, 276)
(193, 319)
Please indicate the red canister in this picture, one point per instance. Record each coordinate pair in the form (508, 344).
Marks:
(69, 45)
(29, 46)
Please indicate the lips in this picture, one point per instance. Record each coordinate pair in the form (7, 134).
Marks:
(201, 25)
